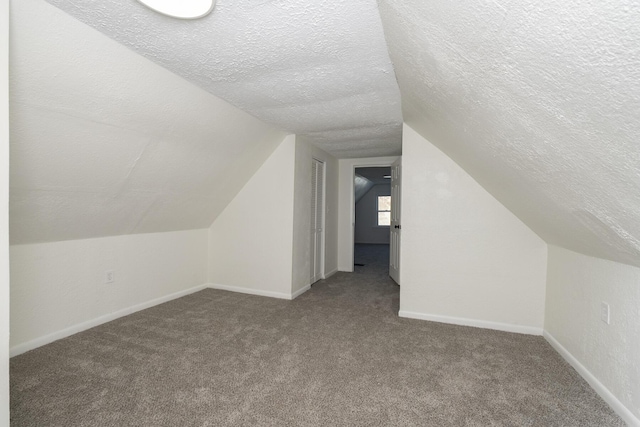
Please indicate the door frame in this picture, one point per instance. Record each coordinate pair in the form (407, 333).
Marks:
(395, 231)
(352, 199)
(324, 215)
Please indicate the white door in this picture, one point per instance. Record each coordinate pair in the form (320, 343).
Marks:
(317, 219)
(395, 229)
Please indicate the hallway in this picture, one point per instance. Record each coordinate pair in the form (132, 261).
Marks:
(374, 257)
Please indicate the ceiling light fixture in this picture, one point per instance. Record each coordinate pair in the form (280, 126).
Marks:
(182, 9)
(387, 176)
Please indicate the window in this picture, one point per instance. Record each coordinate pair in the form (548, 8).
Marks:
(384, 211)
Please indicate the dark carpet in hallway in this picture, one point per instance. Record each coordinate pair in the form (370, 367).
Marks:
(337, 355)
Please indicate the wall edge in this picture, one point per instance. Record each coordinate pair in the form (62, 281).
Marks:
(615, 404)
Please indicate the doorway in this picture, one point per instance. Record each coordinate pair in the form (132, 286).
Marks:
(372, 218)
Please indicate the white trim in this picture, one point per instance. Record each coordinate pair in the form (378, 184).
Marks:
(55, 336)
(329, 274)
(324, 215)
(251, 291)
(506, 327)
(361, 163)
(619, 408)
(299, 292)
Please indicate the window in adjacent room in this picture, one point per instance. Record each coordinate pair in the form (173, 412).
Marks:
(384, 211)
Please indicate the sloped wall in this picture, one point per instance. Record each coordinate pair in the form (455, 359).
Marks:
(465, 258)
(538, 101)
(251, 241)
(607, 353)
(105, 142)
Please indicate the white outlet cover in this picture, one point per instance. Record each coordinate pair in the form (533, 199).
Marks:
(108, 277)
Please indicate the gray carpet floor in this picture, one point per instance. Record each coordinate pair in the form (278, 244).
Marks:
(337, 355)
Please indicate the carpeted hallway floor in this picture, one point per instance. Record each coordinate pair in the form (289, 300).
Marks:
(337, 355)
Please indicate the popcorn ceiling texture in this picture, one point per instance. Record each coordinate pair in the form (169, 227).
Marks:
(317, 69)
(539, 101)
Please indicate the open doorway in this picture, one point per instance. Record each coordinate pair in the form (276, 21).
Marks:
(372, 218)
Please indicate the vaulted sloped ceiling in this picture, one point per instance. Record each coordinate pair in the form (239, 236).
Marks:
(105, 142)
(539, 101)
(319, 69)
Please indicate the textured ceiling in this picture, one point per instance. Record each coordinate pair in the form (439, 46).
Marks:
(319, 69)
(539, 101)
(105, 142)
(361, 186)
(375, 174)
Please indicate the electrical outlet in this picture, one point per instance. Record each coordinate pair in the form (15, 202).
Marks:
(108, 276)
(605, 313)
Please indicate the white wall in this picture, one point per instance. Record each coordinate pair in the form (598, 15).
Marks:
(4, 213)
(105, 142)
(464, 257)
(331, 211)
(609, 355)
(366, 228)
(250, 242)
(58, 288)
(305, 153)
(260, 243)
(346, 205)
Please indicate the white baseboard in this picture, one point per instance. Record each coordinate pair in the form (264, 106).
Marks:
(506, 327)
(619, 408)
(251, 291)
(331, 273)
(259, 292)
(299, 292)
(55, 336)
